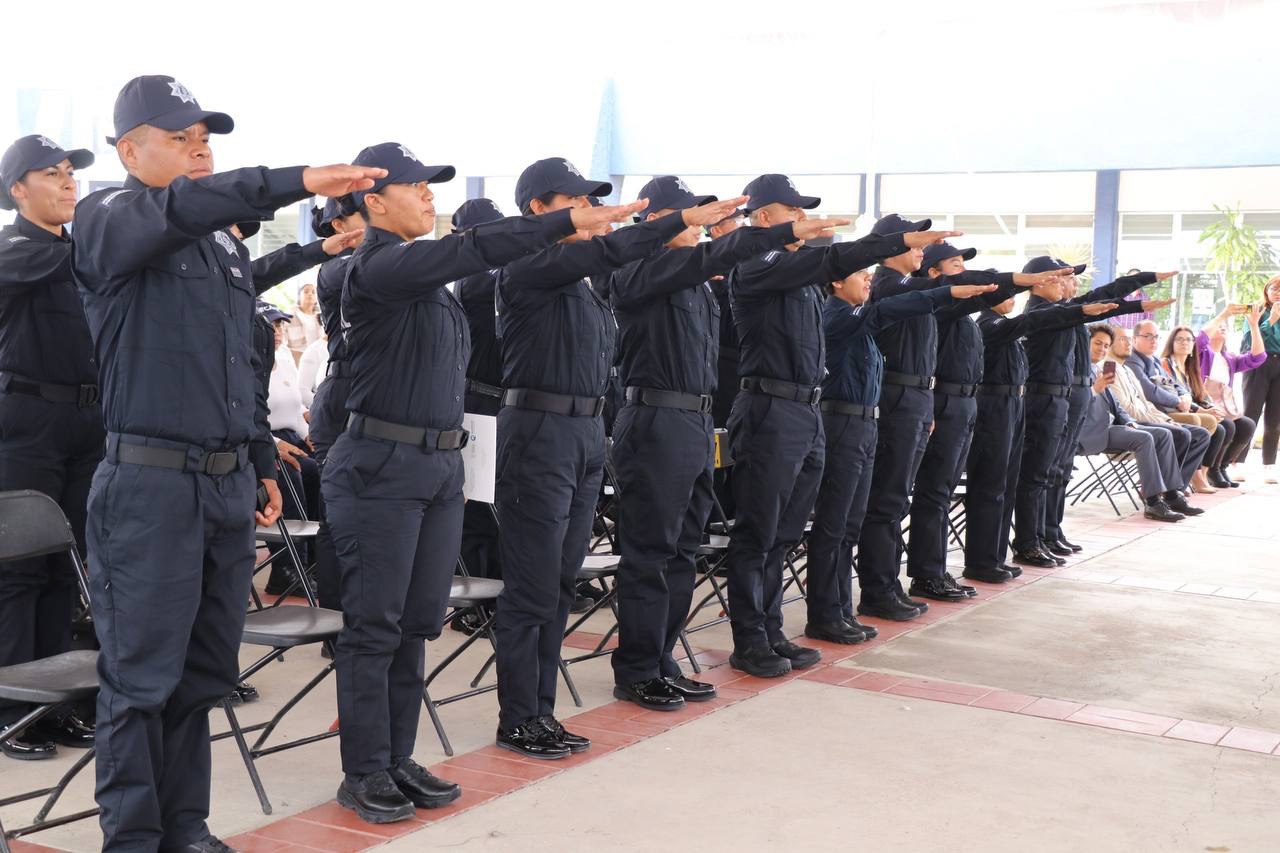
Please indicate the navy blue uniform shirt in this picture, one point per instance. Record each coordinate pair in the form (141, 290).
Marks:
(777, 305)
(855, 366)
(1058, 356)
(329, 279)
(557, 334)
(668, 317)
(170, 304)
(284, 263)
(43, 332)
(407, 335)
(477, 292)
(959, 339)
(1004, 357)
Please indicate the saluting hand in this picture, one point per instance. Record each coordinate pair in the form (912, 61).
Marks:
(336, 244)
(1156, 304)
(1093, 309)
(920, 239)
(274, 505)
(1165, 276)
(812, 229)
(712, 212)
(1031, 279)
(333, 181)
(591, 218)
(966, 291)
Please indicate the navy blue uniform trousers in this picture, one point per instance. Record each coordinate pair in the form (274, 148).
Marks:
(1064, 465)
(665, 459)
(838, 514)
(51, 448)
(995, 460)
(905, 415)
(778, 450)
(395, 512)
(549, 472)
(1046, 426)
(170, 555)
(936, 481)
(328, 420)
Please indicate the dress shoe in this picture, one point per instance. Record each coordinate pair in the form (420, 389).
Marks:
(423, 789)
(760, 661)
(581, 604)
(937, 589)
(376, 798)
(1179, 504)
(800, 656)
(467, 622)
(834, 632)
(27, 747)
(868, 631)
(908, 602)
(1065, 543)
(1159, 511)
(208, 844)
(952, 583)
(247, 693)
(1218, 478)
(533, 740)
(692, 691)
(988, 575)
(576, 743)
(69, 731)
(1011, 569)
(1034, 557)
(1057, 549)
(652, 693)
(888, 608)
(1057, 561)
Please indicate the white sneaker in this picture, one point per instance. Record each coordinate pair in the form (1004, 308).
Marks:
(1269, 474)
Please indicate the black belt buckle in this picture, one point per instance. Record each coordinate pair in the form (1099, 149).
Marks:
(931, 384)
(1022, 390)
(453, 439)
(216, 464)
(598, 409)
(88, 396)
(707, 401)
(815, 396)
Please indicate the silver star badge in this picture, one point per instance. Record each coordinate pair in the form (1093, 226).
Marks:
(406, 152)
(181, 92)
(48, 143)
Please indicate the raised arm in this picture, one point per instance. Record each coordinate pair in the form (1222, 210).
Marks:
(284, 263)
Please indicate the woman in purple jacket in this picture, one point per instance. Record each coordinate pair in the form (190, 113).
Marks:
(1218, 369)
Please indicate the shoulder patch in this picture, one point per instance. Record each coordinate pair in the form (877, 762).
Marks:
(106, 202)
(18, 239)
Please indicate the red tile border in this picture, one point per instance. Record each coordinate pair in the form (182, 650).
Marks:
(1197, 732)
(1251, 739)
(1128, 721)
(1053, 709)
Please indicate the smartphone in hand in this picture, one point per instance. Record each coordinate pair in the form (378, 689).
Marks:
(264, 499)
(1108, 368)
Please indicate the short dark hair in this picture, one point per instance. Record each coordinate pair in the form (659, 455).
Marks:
(545, 198)
(1103, 329)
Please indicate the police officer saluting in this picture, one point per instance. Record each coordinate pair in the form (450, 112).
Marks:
(50, 422)
(171, 519)
(664, 446)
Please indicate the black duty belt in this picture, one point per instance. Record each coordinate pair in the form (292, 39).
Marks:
(81, 395)
(193, 459)
(484, 389)
(1085, 381)
(338, 367)
(1003, 390)
(557, 404)
(1049, 390)
(428, 439)
(893, 377)
(668, 399)
(956, 389)
(783, 390)
(841, 407)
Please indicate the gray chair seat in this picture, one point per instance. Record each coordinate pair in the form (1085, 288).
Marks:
(599, 566)
(290, 625)
(468, 592)
(67, 677)
(715, 544)
(298, 529)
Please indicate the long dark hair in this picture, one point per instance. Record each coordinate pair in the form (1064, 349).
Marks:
(1190, 366)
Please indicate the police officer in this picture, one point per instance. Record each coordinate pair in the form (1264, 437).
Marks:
(776, 429)
(1057, 376)
(170, 528)
(850, 393)
(664, 446)
(50, 421)
(995, 456)
(557, 349)
(727, 363)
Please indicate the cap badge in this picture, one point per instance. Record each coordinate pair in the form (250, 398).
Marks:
(572, 168)
(181, 92)
(48, 143)
(682, 186)
(407, 153)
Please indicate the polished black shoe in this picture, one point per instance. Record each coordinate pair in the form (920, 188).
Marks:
(576, 743)
(247, 693)
(208, 844)
(888, 608)
(800, 656)
(581, 604)
(908, 602)
(989, 575)
(27, 747)
(1057, 549)
(1159, 511)
(1219, 479)
(935, 588)
(834, 632)
(868, 631)
(424, 790)
(376, 798)
(692, 691)
(653, 693)
(1035, 557)
(1057, 561)
(467, 622)
(1011, 569)
(1066, 543)
(70, 731)
(760, 661)
(1179, 504)
(952, 583)
(532, 739)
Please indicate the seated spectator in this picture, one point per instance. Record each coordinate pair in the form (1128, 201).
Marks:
(312, 369)
(1109, 428)
(287, 417)
(1218, 369)
(1173, 399)
(1189, 443)
(304, 326)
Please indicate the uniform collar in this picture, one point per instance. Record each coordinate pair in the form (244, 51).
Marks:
(374, 234)
(34, 232)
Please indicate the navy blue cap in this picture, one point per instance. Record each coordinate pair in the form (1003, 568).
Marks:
(31, 153)
(777, 189)
(163, 102)
(248, 229)
(894, 224)
(594, 200)
(936, 253)
(555, 175)
(402, 168)
(334, 208)
(667, 192)
(271, 312)
(1044, 263)
(476, 211)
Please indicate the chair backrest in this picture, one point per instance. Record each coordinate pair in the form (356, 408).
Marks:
(31, 525)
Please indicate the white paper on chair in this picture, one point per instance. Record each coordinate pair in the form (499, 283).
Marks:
(480, 457)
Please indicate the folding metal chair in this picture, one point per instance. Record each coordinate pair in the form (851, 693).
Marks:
(464, 593)
(34, 526)
(602, 568)
(284, 539)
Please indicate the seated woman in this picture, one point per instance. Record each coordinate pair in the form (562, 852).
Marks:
(1181, 361)
(287, 417)
(1218, 369)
